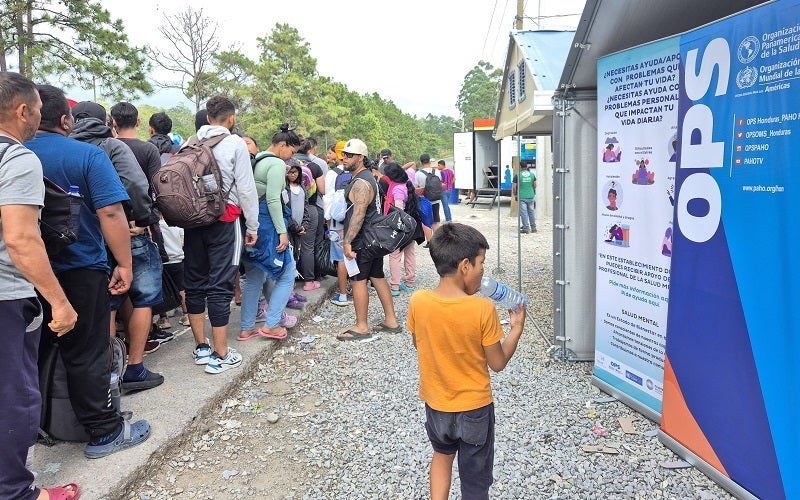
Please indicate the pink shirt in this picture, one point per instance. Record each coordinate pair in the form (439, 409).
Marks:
(411, 172)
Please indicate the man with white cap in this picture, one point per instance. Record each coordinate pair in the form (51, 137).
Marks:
(362, 208)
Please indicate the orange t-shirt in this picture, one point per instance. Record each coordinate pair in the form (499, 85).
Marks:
(450, 335)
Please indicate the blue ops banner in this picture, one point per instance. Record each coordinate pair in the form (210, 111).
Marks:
(731, 381)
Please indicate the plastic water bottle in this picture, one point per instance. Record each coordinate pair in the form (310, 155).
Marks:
(503, 294)
(74, 191)
(332, 235)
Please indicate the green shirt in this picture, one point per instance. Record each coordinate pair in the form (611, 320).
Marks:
(525, 190)
(270, 177)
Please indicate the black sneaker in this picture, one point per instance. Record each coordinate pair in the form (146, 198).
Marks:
(150, 380)
(159, 335)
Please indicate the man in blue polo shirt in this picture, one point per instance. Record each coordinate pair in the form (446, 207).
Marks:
(82, 270)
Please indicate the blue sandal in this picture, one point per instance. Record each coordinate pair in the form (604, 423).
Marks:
(129, 436)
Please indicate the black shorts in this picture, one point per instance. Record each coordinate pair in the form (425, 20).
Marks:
(470, 434)
(372, 268)
(175, 272)
(436, 217)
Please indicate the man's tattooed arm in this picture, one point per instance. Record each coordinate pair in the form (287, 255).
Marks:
(360, 195)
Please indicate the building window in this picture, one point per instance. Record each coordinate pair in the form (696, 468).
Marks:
(512, 90)
(521, 71)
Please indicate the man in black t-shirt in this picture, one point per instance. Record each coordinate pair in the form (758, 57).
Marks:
(126, 120)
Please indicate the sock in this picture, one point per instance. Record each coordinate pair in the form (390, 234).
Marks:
(343, 297)
(134, 373)
(106, 438)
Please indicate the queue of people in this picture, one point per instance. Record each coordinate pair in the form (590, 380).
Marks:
(289, 216)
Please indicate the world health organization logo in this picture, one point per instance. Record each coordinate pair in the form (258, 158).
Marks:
(746, 77)
(748, 49)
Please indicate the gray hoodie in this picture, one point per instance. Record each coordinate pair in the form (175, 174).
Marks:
(233, 160)
(95, 132)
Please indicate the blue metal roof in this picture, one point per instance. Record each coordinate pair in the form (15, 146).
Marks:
(545, 53)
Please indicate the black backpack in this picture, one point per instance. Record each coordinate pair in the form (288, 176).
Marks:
(433, 186)
(58, 421)
(60, 218)
(383, 234)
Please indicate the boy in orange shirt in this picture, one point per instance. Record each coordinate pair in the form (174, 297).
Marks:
(456, 335)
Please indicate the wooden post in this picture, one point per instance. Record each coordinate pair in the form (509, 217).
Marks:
(514, 207)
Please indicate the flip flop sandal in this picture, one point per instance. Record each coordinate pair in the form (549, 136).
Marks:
(248, 334)
(381, 328)
(311, 286)
(278, 333)
(130, 436)
(353, 335)
(69, 491)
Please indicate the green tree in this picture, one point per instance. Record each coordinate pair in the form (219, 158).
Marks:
(479, 93)
(443, 127)
(73, 39)
(193, 42)
(283, 85)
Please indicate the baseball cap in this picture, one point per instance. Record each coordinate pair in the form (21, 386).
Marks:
(338, 149)
(385, 153)
(356, 146)
(89, 109)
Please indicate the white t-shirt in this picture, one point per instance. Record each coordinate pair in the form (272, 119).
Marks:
(173, 241)
(420, 177)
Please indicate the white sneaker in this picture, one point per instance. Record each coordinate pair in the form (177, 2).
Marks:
(218, 365)
(202, 354)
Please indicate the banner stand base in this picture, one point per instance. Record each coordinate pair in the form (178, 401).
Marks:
(636, 405)
(725, 482)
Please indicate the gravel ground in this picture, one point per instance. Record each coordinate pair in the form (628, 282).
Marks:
(330, 419)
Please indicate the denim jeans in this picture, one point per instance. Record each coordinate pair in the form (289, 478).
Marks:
(256, 281)
(146, 287)
(526, 213)
(446, 205)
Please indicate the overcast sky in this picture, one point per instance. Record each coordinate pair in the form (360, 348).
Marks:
(412, 52)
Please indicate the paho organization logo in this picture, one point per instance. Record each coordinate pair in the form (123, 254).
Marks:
(748, 49)
(746, 77)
